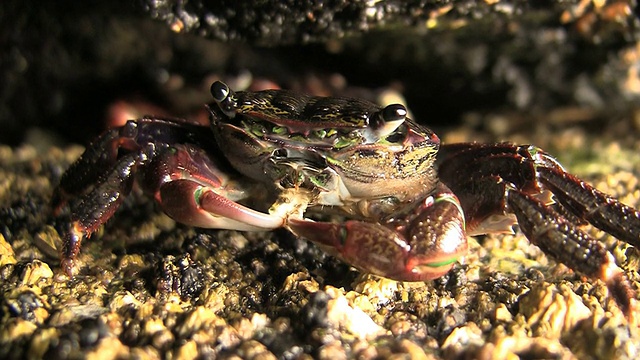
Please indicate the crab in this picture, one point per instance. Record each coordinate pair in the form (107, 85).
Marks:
(277, 158)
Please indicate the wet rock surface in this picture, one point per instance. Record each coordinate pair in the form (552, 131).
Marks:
(563, 76)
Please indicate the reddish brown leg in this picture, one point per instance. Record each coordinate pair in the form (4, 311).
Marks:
(596, 207)
(493, 179)
(170, 160)
(95, 208)
(102, 155)
(85, 172)
(562, 240)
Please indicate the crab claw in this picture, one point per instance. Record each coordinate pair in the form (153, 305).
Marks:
(191, 187)
(419, 245)
(191, 203)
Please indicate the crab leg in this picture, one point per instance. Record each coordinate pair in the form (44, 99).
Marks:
(93, 209)
(189, 186)
(417, 244)
(102, 154)
(529, 169)
(559, 238)
(509, 178)
(596, 207)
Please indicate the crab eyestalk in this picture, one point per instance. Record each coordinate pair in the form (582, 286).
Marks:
(225, 98)
(384, 122)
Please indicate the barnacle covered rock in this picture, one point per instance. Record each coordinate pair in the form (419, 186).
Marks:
(552, 310)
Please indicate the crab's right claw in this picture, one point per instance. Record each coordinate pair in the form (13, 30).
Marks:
(418, 245)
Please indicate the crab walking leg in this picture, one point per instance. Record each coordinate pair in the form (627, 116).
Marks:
(189, 186)
(495, 179)
(96, 207)
(103, 153)
(599, 209)
(470, 168)
(415, 245)
(571, 246)
(82, 174)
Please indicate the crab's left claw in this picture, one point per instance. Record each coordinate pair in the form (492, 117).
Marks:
(417, 245)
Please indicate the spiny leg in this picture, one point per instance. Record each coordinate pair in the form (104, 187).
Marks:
(532, 170)
(492, 179)
(103, 175)
(95, 208)
(102, 154)
(599, 209)
(569, 245)
(98, 158)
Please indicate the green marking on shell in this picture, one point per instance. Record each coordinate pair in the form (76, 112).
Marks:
(320, 133)
(257, 129)
(319, 180)
(279, 130)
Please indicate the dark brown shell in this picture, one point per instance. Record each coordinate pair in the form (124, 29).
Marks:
(301, 112)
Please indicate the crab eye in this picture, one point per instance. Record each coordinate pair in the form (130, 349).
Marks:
(225, 98)
(385, 122)
(219, 91)
(394, 112)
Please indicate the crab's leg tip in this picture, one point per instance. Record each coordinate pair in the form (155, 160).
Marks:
(632, 315)
(69, 267)
(71, 248)
(620, 289)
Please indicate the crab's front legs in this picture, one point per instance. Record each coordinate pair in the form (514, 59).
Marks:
(420, 242)
(188, 185)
